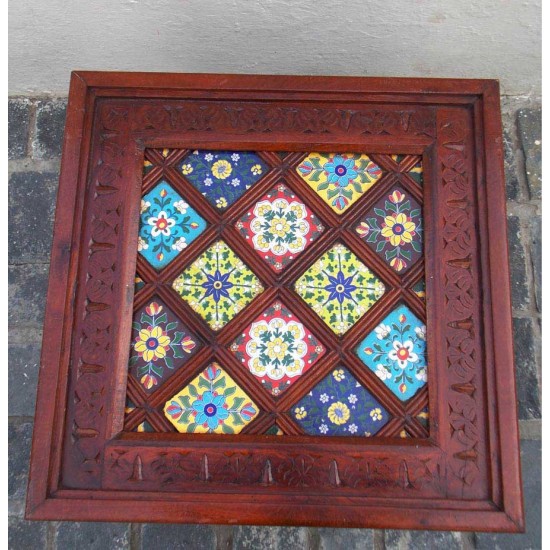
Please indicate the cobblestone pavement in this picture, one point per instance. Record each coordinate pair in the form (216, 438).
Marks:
(35, 136)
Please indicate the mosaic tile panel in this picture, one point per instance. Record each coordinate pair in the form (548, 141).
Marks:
(218, 285)
(340, 405)
(396, 352)
(393, 229)
(277, 348)
(161, 344)
(339, 288)
(222, 176)
(167, 225)
(416, 172)
(211, 403)
(279, 227)
(339, 179)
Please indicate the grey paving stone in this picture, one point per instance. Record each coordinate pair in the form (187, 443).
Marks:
(175, 537)
(272, 538)
(31, 208)
(530, 134)
(532, 494)
(93, 536)
(535, 246)
(513, 190)
(50, 123)
(27, 287)
(19, 111)
(422, 540)
(23, 361)
(518, 271)
(19, 447)
(26, 535)
(350, 539)
(525, 350)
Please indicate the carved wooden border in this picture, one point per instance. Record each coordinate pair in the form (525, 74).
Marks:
(465, 476)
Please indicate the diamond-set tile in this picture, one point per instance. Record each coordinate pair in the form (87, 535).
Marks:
(339, 288)
(277, 348)
(211, 403)
(168, 224)
(340, 405)
(161, 344)
(416, 172)
(392, 228)
(396, 352)
(279, 227)
(222, 176)
(340, 179)
(218, 285)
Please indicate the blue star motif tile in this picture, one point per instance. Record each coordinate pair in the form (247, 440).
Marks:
(340, 405)
(167, 225)
(396, 352)
(222, 176)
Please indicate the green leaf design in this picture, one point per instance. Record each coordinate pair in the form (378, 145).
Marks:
(193, 391)
(230, 391)
(146, 319)
(171, 326)
(169, 362)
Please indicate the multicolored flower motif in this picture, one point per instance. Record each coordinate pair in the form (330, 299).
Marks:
(167, 225)
(161, 344)
(340, 405)
(279, 227)
(339, 288)
(416, 172)
(277, 348)
(218, 285)
(222, 176)
(211, 403)
(396, 352)
(339, 179)
(393, 229)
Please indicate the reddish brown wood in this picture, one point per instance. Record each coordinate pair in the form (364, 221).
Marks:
(462, 474)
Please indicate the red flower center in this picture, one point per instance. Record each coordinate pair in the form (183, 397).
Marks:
(403, 353)
(161, 223)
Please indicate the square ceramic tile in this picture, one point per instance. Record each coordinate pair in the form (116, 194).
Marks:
(396, 352)
(222, 176)
(277, 348)
(161, 344)
(218, 285)
(211, 403)
(340, 405)
(339, 288)
(340, 179)
(392, 228)
(168, 224)
(279, 227)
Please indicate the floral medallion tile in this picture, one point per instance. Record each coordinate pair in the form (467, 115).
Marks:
(339, 179)
(222, 176)
(416, 172)
(393, 229)
(218, 285)
(277, 348)
(339, 288)
(211, 403)
(420, 290)
(167, 225)
(340, 405)
(279, 227)
(161, 344)
(396, 352)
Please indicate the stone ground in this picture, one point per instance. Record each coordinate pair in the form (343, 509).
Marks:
(35, 137)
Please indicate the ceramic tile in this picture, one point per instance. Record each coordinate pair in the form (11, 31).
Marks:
(416, 172)
(161, 344)
(144, 426)
(218, 285)
(277, 348)
(211, 403)
(339, 288)
(279, 227)
(274, 430)
(147, 166)
(424, 418)
(340, 179)
(340, 405)
(222, 176)
(393, 229)
(396, 352)
(167, 225)
(139, 283)
(420, 290)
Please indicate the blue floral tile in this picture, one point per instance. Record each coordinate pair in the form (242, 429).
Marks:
(340, 405)
(396, 352)
(222, 176)
(167, 225)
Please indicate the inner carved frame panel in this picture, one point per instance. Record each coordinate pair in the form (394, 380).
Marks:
(463, 474)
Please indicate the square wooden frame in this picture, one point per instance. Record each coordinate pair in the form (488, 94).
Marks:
(465, 476)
